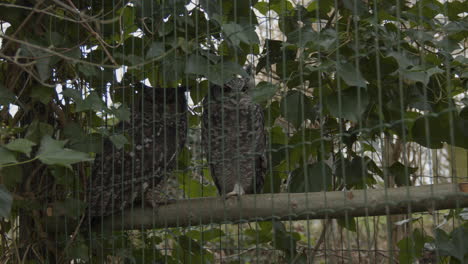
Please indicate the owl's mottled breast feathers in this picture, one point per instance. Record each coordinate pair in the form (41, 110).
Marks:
(234, 139)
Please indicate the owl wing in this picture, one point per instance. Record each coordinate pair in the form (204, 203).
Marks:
(120, 177)
(260, 143)
(212, 114)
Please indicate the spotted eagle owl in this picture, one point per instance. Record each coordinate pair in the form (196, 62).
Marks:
(157, 132)
(234, 138)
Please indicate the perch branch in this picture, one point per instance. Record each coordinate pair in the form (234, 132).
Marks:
(293, 206)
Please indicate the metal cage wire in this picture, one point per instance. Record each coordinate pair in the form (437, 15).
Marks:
(237, 132)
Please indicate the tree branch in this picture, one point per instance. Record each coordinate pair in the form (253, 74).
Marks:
(294, 206)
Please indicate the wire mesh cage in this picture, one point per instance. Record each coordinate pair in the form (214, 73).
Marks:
(241, 131)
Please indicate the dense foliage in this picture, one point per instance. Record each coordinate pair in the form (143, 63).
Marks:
(341, 78)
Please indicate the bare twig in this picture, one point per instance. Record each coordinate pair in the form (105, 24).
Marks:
(60, 55)
(72, 238)
(25, 21)
(320, 240)
(394, 260)
(60, 114)
(98, 37)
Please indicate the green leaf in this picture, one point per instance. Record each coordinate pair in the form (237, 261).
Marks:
(357, 7)
(194, 188)
(281, 7)
(172, 70)
(184, 159)
(448, 45)
(89, 71)
(78, 250)
(314, 178)
(189, 244)
(412, 246)
(6, 96)
(349, 224)
(305, 143)
(42, 93)
(354, 102)
(460, 242)
(271, 113)
(197, 65)
(73, 94)
(43, 65)
(419, 74)
(211, 234)
(283, 240)
(237, 33)
(37, 130)
(91, 102)
(367, 147)
(52, 152)
(296, 107)
(312, 6)
(275, 51)
(155, 50)
(119, 140)
(11, 176)
(404, 59)
(351, 75)
(277, 136)
(199, 91)
(194, 120)
(453, 245)
(262, 7)
(272, 182)
(402, 173)
(6, 156)
(122, 113)
(62, 175)
(5, 202)
(21, 145)
(206, 235)
(212, 8)
(464, 112)
(264, 235)
(303, 36)
(431, 130)
(355, 173)
(372, 167)
(218, 74)
(263, 92)
(327, 39)
(80, 141)
(415, 76)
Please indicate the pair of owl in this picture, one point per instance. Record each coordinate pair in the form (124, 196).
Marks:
(233, 137)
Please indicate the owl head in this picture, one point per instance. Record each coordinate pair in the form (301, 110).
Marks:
(163, 100)
(241, 83)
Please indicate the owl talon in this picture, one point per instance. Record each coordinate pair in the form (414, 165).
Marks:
(158, 203)
(156, 198)
(238, 191)
(232, 194)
